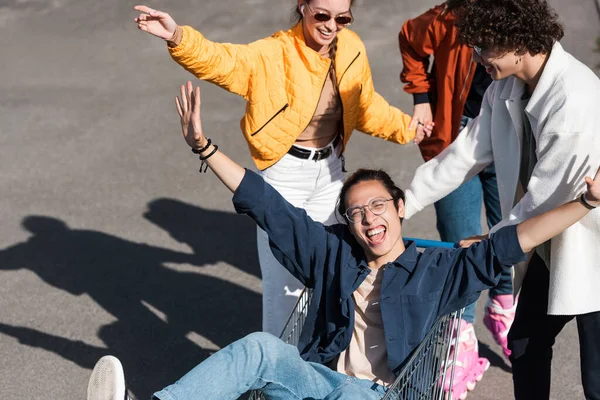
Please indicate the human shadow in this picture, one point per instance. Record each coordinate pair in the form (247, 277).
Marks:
(167, 320)
(83, 354)
(213, 235)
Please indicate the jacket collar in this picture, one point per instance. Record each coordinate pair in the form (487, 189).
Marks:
(407, 260)
(514, 88)
(557, 62)
(311, 59)
(347, 50)
(354, 272)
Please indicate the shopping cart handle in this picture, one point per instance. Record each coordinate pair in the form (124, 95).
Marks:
(424, 243)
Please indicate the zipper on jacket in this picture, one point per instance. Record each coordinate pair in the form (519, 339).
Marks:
(343, 133)
(466, 79)
(347, 68)
(271, 119)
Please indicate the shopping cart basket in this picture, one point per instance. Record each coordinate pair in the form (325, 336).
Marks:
(427, 369)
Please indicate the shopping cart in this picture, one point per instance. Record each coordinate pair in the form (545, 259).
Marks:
(428, 368)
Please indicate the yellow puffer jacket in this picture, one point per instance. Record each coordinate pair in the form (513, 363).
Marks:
(281, 79)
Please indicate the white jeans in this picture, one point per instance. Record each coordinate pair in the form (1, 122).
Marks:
(315, 187)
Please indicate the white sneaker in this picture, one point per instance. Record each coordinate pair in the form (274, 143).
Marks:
(107, 381)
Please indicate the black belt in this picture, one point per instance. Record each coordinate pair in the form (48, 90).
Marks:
(318, 154)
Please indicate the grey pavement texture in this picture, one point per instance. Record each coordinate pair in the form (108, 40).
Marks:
(110, 240)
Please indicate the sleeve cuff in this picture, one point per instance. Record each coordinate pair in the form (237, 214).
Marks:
(249, 193)
(506, 246)
(181, 48)
(420, 98)
(411, 206)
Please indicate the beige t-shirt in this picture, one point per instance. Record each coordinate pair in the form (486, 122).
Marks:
(366, 356)
(327, 116)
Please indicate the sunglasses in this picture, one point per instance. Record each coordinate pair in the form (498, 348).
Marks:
(340, 19)
(478, 50)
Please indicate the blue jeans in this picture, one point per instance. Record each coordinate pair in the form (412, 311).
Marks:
(459, 216)
(262, 361)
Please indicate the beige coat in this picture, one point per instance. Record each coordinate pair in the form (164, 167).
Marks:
(564, 113)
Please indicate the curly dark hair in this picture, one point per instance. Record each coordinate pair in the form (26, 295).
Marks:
(522, 26)
(452, 5)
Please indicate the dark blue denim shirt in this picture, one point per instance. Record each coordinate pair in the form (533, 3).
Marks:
(417, 287)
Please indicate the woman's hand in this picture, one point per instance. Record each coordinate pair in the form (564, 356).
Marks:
(157, 23)
(188, 107)
(593, 189)
(422, 121)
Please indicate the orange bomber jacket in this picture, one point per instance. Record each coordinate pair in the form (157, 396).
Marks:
(447, 86)
(281, 79)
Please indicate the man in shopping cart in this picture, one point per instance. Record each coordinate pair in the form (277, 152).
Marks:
(374, 295)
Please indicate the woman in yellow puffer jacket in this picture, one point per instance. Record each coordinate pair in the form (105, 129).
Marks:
(306, 89)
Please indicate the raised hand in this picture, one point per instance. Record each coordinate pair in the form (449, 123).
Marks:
(593, 188)
(188, 107)
(157, 23)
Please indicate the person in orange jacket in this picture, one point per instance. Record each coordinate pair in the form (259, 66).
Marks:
(450, 95)
(306, 89)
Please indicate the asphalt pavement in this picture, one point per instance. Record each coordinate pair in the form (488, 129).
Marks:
(111, 242)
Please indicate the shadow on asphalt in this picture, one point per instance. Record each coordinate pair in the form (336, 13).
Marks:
(157, 309)
(495, 359)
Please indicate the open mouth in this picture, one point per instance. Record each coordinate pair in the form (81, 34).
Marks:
(376, 235)
(325, 34)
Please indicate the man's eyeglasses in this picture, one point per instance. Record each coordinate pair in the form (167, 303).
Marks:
(478, 50)
(340, 19)
(357, 214)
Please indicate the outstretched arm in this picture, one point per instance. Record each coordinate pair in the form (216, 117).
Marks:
(536, 230)
(188, 107)
(378, 118)
(478, 267)
(300, 244)
(227, 65)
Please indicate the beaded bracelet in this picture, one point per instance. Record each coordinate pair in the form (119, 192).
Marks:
(200, 151)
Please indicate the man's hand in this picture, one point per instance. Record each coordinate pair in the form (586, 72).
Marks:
(188, 108)
(472, 239)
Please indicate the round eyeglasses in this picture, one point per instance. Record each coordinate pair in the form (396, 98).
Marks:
(357, 214)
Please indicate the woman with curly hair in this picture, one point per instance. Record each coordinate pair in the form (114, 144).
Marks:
(538, 124)
(307, 89)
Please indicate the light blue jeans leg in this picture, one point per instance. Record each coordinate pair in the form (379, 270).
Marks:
(357, 389)
(262, 361)
(459, 216)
